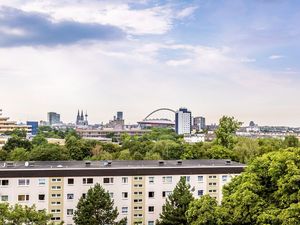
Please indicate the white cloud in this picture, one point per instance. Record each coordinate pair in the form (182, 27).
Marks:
(274, 57)
(186, 12)
(178, 62)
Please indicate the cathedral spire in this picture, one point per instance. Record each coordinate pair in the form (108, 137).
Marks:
(82, 117)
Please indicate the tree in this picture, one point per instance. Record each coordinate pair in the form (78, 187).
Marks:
(291, 141)
(202, 211)
(17, 142)
(225, 133)
(267, 192)
(49, 152)
(97, 208)
(176, 205)
(23, 215)
(39, 140)
(246, 149)
(19, 154)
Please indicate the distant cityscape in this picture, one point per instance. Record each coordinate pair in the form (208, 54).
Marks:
(193, 128)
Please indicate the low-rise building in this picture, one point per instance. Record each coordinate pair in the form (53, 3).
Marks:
(139, 188)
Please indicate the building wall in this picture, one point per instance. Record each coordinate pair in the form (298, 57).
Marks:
(69, 194)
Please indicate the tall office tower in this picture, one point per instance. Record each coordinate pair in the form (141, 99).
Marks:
(34, 126)
(53, 118)
(199, 123)
(119, 115)
(183, 121)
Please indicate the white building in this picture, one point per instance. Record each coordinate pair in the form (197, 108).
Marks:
(194, 138)
(138, 188)
(183, 121)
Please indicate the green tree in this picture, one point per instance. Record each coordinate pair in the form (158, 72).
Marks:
(97, 209)
(19, 154)
(202, 211)
(176, 205)
(22, 215)
(17, 142)
(246, 149)
(18, 133)
(225, 133)
(291, 141)
(39, 140)
(49, 152)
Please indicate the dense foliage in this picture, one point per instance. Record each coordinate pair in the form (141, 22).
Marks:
(176, 205)
(97, 208)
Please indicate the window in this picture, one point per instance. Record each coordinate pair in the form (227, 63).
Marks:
(70, 181)
(124, 194)
(151, 180)
(212, 191)
(56, 179)
(167, 180)
(138, 185)
(138, 178)
(200, 178)
(137, 215)
(84, 195)
(212, 184)
(42, 181)
(111, 195)
(212, 177)
(4, 182)
(4, 198)
(151, 194)
(55, 187)
(70, 196)
(166, 193)
(41, 197)
(138, 200)
(55, 195)
(138, 207)
(124, 209)
(150, 222)
(70, 212)
(124, 180)
(55, 218)
(108, 180)
(187, 178)
(55, 203)
(55, 211)
(224, 178)
(151, 209)
(24, 182)
(23, 198)
(138, 193)
(87, 181)
(200, 192)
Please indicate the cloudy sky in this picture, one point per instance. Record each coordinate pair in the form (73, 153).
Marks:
(220, 57)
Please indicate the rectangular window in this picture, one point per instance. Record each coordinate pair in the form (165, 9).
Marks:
(224, 178)
(108, 180)
(138, 207)
(70, 212)
(151, 180)
(138, 185)
(138, 178)
(84, 195)
(4, 182)
(24, 182)
(212, 184)
(124, 209)
(87, 181)
(41, 197)
(200, 192)
(70, 196)
(166, 193)
(56, 179)
(150, 222)
(55, 203)
(42, 181)
(138, 200)
(124, 180)
(151, 209)
(55, 187)
(55, 218)
(70, 180)
(124, 194)
(138, 193)
(167, 180)
(55, 195)
(55, 211)
(212, 191)
(151, 194)
(23, 198)
(188, 178)
(212, 177)
(4, 198)
(200, 178)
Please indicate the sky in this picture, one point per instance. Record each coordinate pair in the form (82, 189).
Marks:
(216, 57)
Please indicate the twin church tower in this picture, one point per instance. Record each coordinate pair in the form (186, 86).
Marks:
(81, 119)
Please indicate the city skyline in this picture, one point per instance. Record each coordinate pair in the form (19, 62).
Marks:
(236, 58)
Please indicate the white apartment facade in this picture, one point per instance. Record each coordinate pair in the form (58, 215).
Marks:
(183, 121)
(138, 188)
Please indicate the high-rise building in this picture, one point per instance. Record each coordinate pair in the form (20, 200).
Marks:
(119, 115)
(183, 121)
(139, 188)
(53, 118)
(8, 126)
(34, 126)
(199, 123)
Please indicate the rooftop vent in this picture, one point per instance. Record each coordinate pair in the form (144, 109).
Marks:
(161, 163)
(107, 163)
(228, 162)
(10, 164)
(29, 164)
(179, 162)
(87, 163)
(59, 166)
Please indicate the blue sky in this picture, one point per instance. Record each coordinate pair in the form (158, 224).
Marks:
(217, 58)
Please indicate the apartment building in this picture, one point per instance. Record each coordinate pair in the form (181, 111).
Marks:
(138, 188)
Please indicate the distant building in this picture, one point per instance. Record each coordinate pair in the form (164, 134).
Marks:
(199, 123)
(7, 126)
(183, 121)
(117, 123)
(81, 119)
(34, 126)
(119, 115)
(195, 138)
(53, 118)
(158, 123)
